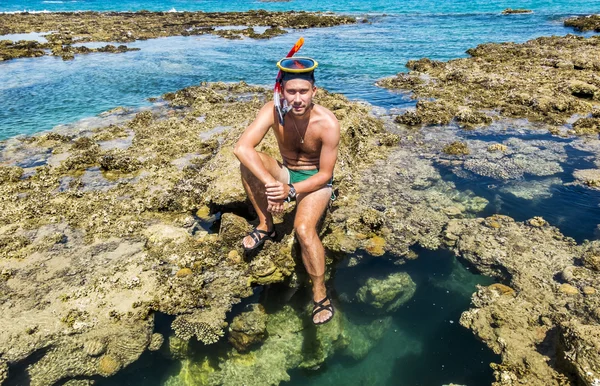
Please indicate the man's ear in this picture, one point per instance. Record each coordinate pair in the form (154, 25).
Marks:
(314, 90)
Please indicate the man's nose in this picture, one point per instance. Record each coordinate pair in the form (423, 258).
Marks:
(297, 98)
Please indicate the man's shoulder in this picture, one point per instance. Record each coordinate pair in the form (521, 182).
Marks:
(326, 117)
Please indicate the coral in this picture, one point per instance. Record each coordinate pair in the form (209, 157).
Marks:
(586, 126)
(389, 293)
(184, 272)
(539, 321)
(497, 147)
(177, 348)
(205, 325)
(3, 371)
(362, 338)
(108, 365)
(588, 177)
(10, 173)
(248, 329)
(119, 161)
(457, 148)
(94, 347)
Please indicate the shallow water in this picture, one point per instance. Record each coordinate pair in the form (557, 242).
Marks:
(425, 345)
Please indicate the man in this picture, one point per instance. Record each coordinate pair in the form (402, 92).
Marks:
(308, 142)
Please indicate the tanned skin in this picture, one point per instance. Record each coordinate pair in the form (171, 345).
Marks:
(265, 179)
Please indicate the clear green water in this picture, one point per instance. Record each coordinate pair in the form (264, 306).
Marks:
(425, 345)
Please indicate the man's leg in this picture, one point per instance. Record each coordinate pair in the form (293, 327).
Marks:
(256, 192)
(310, 208)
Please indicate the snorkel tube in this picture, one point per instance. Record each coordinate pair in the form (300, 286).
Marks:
(280, 104)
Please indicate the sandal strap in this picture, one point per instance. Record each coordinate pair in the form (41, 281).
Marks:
(320, 306)
(255, 234)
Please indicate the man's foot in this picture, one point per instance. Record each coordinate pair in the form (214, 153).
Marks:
(322, 311)
(256, 238)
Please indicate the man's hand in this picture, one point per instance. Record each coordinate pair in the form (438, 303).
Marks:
(277, 191)
(276, 207)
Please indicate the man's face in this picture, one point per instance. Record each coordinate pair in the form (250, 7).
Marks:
(298, 93)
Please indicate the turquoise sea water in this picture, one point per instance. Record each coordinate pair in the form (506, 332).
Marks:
(37, 94)
(426, 348)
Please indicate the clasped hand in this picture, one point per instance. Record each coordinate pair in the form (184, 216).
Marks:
(277, 192)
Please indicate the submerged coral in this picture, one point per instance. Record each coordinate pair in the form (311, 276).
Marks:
(248, 328)
(389, 293)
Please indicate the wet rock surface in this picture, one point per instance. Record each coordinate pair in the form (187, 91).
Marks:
(66, 28)
(548, 79)
(511, 11)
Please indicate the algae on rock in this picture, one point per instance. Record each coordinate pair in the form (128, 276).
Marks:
(389, 293)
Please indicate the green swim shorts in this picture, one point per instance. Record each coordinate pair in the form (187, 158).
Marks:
(301, 175)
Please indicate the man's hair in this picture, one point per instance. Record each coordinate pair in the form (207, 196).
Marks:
(310, 76)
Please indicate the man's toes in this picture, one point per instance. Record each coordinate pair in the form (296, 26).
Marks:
(322, 316)
(247, 242)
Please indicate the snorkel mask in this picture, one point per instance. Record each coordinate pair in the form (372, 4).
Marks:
(291, 68)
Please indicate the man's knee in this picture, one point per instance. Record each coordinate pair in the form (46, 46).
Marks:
(304, 231)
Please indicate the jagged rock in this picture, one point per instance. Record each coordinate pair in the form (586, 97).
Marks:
(584, 23)
(94, 347)
(233, 228)
(537, 323)
(551, 85)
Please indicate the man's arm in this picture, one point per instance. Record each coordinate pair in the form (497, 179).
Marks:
(245, 147)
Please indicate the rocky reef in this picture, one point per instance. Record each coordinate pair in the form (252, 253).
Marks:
(32, 49)
(291, 342)
(511, 11)
(548, 79)
(584, 23)
(543, 320)
(66, 28)
(389, 293)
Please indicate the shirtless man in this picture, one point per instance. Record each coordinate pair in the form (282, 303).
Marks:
(308, 142)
